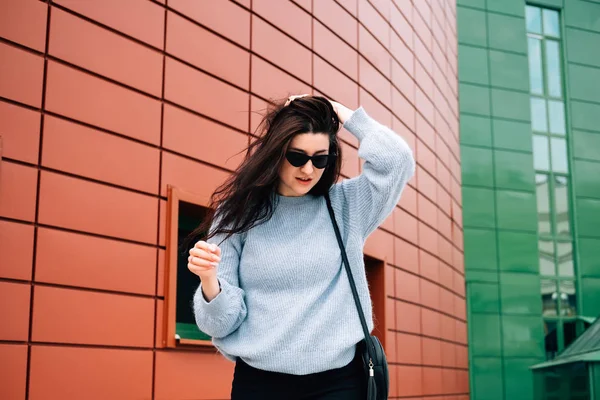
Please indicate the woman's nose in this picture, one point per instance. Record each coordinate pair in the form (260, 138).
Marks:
(307, 168)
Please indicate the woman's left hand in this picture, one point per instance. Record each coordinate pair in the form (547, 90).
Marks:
(343, 112)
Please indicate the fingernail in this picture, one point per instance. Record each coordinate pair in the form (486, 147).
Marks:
(214, 264)
(216, 258)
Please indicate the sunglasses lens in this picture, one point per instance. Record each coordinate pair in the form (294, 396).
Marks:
(296, 159)
(320, 161)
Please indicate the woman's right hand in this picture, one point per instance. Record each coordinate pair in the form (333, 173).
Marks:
(203, 261)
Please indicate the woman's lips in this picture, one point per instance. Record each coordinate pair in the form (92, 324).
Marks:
(304, 182)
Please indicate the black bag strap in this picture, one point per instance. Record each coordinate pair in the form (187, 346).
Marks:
(361, 315)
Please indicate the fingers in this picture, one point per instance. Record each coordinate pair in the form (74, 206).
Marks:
(205, 255)
(294, 97)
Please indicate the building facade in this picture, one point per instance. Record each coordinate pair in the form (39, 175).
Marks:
(529, 95)
(118, 118)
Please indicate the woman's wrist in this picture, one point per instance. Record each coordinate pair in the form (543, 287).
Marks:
(210, 288)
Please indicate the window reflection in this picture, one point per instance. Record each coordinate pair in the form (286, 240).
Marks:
(540, 153)
(564, 259)
(538, 115)
(559, 155)
(568, 299)
(534, 19)
(549, 298)
(556, 112)
(535, 66)
(553, 68)
(543, 203)
(547, 259)
(561, 205)
(551, 23)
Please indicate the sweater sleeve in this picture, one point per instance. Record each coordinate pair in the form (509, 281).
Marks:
(389, 164)
(226, 312)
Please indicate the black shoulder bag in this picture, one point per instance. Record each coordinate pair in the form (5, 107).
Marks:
(370, 348)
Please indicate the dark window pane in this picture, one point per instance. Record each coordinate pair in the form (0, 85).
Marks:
(536, 80)
(550, 340)
(568, 299)
(559, 155)
(549, 298)
(534, 19)
(569, 332)
(543, 204)
(551, 26)
(538, 115)
(561, 206)
(564, 259)
(541, 152)
(556, 114)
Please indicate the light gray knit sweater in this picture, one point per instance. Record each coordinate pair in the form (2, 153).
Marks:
(285, 303)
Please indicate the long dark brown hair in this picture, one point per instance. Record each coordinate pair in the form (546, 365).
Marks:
(247, 198)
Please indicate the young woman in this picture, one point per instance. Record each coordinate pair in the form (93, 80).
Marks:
(274, 294)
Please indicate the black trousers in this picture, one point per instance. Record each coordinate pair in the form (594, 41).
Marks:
(346, 383)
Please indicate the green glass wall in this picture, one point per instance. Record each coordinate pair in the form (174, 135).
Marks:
(500, 201)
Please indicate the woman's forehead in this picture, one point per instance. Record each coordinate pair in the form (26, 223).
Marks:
(310, 142)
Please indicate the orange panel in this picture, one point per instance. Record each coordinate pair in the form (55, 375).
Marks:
(408, 317)
(374, 22)
(114, 56)
(350, 165)
(350, 5)
(444, 224)
(448, 325)
(87, 373)
(403, 109)
(425, 107)
(443, 200)
(426, 184)
(402, 53)
(458, 261)
(192, 375)
(383, 6)
(162, 222)
(65, 258)
(93, 100)
(462, 356)
(87, 317)
(421, 24)
(335, 85)
(200, 138)
(16, 247)
(141, 19)
(443, 175)
(335, 18)
(21, 74)
(432, 381)
(402, 81)
(427, 211)
(423, 55)
(430, 294)
(288, 17)
(160, 285)
(192, 43)
(407, 286)
(447, 301)
(13, 370)
(18, 194)
(449, 381)
(258, 109)
(202, 93)
(429, 266)
(409, 349)
(390, 344)
(190, 176)
(282, 51)
(432, 351)
(406, 256)
(460, 308)
(459, 283)
(87, 152)
(423, 79)
(380, 245)
(159, 326)
(444, 250)
(448, 355)
(344, 57)
(405, 225)
(425, 130)
(373, 51)
(428, 238)
(373, 81)
(408, 200)
(24, 22)
(401, 25)
(306, 4)
(375, 108)
(388, 224)
(272, 83)
(409, 380)
(224, 17)
(446, 277)
(20, 129)
(91, 207)
(431, 321)
(15, 319)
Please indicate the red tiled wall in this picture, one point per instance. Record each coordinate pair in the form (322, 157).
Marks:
(104, 103)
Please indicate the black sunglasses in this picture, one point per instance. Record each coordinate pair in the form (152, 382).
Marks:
(298, 159)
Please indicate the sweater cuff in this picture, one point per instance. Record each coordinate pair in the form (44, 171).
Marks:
(216, 307)
(360, 123)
